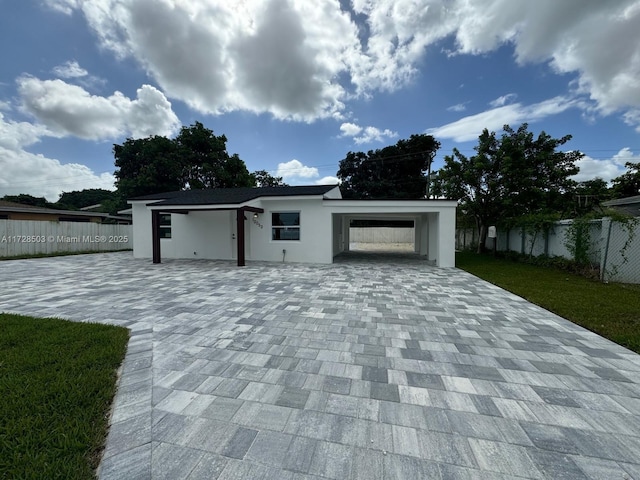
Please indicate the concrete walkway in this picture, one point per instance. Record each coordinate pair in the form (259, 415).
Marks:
(354, 370)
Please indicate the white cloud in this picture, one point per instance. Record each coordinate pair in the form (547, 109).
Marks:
(591, 168)
(64, 6)
(67, 109)
(365, 134)
(26, 172)
(350, 129)
(327, 181)
(70, 69)
(624, 156)
(294, 170)
(503, 100)
(468, 128)
(16, 135)
(632, 117)
(301, 60)
(459, 107)
(281, 56)
(607, 168)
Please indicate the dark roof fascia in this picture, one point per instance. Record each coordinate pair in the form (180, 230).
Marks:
(50, 211)
(389, 200)
(64, 213)
(238, 196)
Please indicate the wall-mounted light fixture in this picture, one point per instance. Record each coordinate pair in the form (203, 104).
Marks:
(255, 216)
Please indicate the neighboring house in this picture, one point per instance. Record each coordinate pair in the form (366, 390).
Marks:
(18, 211)
(290, 224)
(628, 205)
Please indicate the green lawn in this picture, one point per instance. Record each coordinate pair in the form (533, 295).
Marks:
(57, 382)
(60, 254)
(611, 310)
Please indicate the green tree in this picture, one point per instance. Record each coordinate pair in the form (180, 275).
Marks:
(590, 194)
(26, 199)
(508, 177)
(627, 184)
(206, 161)
(396, 171)
(262, 178)
(147, 165)
(196, 158)
(84, 198)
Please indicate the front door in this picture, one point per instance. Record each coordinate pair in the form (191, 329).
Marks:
(234, 234)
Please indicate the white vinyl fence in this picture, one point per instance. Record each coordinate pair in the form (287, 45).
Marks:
(381, 235)
(30, 237)
(611, 247)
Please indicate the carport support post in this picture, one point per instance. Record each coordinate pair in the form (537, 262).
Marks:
(155, 235)
(240, 236)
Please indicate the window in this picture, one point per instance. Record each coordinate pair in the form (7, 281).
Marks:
(165, 225)
(285, 226)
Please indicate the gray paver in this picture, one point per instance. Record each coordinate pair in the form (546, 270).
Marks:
(240, 443)
(386, 368)
(293, 397)
(269, 448)
(331, 460)
(173, 462)
(299, 454)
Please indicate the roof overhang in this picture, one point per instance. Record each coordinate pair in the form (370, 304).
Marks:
(390, 207)
(203, 208)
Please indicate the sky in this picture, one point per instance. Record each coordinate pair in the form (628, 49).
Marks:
(295, 85)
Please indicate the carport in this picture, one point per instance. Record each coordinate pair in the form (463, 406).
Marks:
(434, 223)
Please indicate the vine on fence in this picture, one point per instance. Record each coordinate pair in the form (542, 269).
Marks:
(628, 224)
(578, 240)
(579, 243)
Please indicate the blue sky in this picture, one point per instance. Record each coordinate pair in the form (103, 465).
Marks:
(295, 85)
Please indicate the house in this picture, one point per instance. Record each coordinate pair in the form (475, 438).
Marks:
(628, 205)
(18, 211)
(287, 224)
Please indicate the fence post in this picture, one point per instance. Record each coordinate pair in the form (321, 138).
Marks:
(606, 225)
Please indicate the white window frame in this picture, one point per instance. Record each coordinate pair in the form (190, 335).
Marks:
(286, 228)
(165, 226)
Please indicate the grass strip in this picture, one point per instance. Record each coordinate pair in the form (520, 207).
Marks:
(57, 382)
(27, 256)
(609, 309)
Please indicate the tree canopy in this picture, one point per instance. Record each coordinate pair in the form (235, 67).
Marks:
(26, 199)
(262, 178)
(78, 199)
(147, 165)
(510, 176)
(627, 184)
(590, 194)
(196, 158)
(396, 171)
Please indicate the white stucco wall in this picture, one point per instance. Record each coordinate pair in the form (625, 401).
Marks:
(446, 221)
(201, 235)
(315, 244)
(141, 215)
(338, 234)
(324, 230)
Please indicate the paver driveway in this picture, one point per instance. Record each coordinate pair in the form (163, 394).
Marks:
(352, 370)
